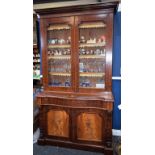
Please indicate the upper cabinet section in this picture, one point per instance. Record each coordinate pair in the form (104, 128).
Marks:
(77, 51)
(59, 55)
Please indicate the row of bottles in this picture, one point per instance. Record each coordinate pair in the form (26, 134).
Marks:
(59, 81)
(59, 52)
(91, 65)
(94, 40)
(36, 55)
(54, 41)
(91, 51)
(82, 51)
(36, 60)
(61, 41)
(63, 66)
(92, 82)
(84, 82)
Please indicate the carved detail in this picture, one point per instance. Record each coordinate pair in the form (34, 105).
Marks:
(108, 144)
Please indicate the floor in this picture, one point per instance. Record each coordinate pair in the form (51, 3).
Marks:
(51, 150)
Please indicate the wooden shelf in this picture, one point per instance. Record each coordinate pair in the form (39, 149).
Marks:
(60, 74)
(92, 25)
(58, 27)
(59, 46)
(92, 74)
(91, 88)
(59, 57)
(92, 44)
(91, 56)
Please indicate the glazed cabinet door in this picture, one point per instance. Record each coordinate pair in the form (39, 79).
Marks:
(57, 49)
(94, 52)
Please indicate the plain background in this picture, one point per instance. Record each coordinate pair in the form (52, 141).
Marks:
(137, 71)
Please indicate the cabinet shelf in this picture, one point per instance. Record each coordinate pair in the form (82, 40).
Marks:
(92, 44)
(92, 74)
(92, 25)
(91, 56)
(60, 74)
(58, 27)
(91, 88)
(60, 57)
(59, 46)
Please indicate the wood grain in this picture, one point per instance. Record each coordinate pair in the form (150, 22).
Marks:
(89, 127)
(58, 123)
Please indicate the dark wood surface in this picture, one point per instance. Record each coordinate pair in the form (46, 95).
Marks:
(87, 113)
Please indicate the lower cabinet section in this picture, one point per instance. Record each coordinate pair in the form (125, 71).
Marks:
(81, 127)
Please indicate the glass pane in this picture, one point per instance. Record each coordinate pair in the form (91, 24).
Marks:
(92, 54)
(59, 55)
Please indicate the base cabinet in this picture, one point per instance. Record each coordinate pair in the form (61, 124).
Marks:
(76, 123)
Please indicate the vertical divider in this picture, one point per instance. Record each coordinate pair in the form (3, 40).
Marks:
(109, 52)
(76, 52)
(73, 54)
(44, 52)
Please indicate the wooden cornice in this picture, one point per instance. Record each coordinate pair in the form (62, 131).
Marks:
(67, 9)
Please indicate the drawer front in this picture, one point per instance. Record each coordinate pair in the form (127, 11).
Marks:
(77, 103)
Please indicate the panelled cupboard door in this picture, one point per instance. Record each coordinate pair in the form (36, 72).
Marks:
(58, 123)
(57, 49)
(94, 52)
(89, 127)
